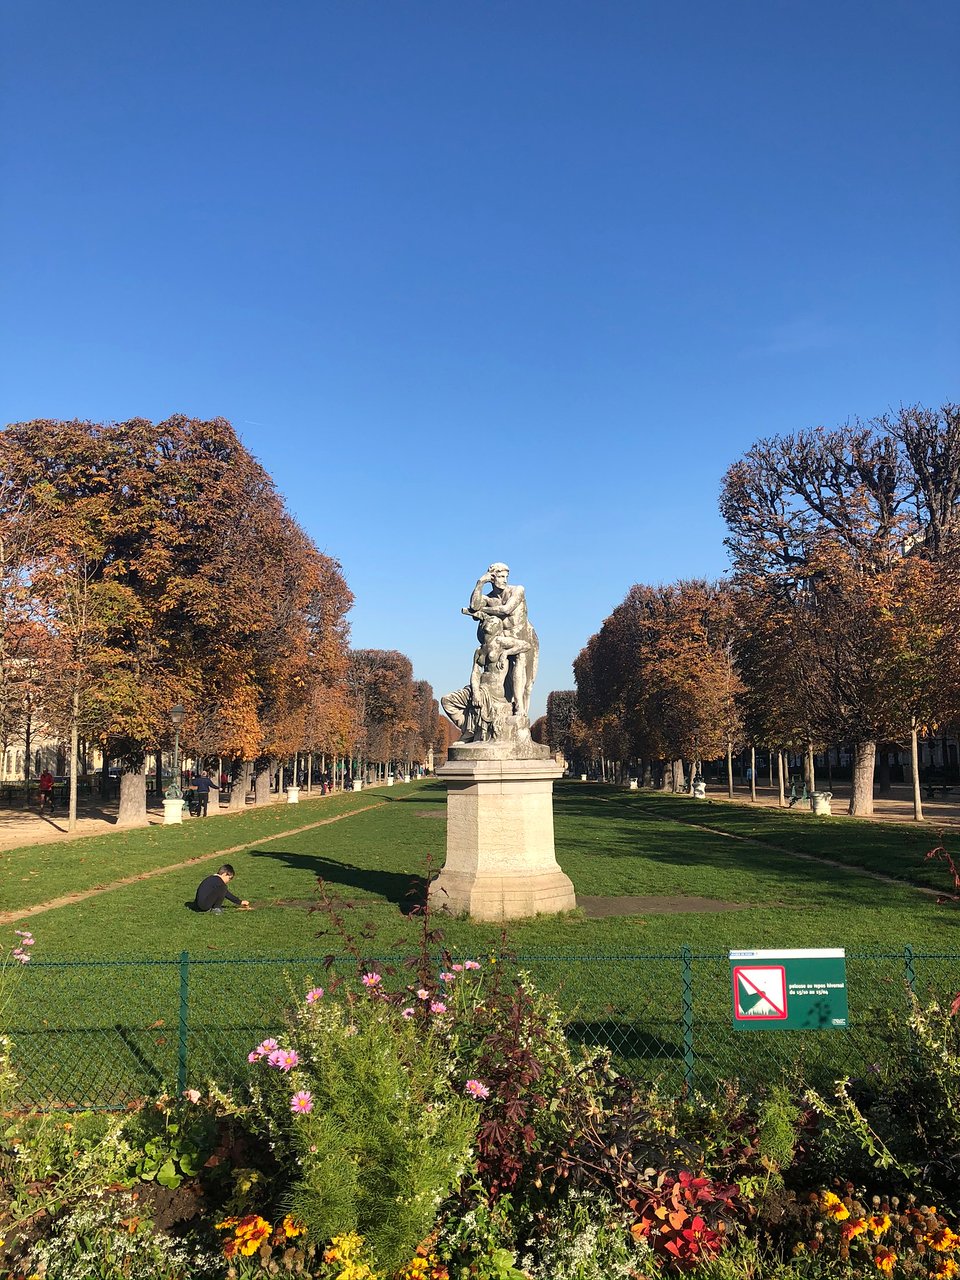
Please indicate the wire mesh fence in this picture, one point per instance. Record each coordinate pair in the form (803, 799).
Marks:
(99, 1034)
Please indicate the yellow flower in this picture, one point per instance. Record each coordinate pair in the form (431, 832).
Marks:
(827, 1198)
(946, 1269)
(943, 1240)
(292, 1228)
(884, 1259)
(878, 1223)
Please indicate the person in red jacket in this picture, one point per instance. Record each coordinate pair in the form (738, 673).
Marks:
(46, 791)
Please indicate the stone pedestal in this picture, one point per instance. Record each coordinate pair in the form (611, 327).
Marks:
(293, 795)
(172, 811)
(501, 863)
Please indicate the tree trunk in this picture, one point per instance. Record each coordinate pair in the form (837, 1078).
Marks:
(883, 771)
(730, 770)
(263, 781)
(780, 782)
(666, 775)
(810, 771)
(75, 762)
(133, 798)
(677, 776)
(240, 771)
(770, 765)
(915, 770)
(753, 773)
(861, 792)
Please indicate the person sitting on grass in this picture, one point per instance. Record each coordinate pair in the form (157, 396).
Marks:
(212, 892)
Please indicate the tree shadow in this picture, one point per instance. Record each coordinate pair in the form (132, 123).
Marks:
(408, 892)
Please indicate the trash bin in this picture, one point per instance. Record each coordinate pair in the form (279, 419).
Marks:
(820, 802)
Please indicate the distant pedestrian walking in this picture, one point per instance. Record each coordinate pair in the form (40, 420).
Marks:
(46, 790)
(202, 787)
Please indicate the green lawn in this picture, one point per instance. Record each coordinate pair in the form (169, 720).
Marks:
(619, 977)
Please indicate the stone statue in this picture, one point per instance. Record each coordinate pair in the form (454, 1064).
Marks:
(494, 708)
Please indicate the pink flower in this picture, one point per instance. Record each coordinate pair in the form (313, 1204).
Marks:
(314, 994)
(437, 1006)
(447, 977)
(476, 1089)
(24, 959)
(301, 1104)
(471, 964)
(407, 1013)
(266, 1047)
(254, 1055)
(457, 968)
(192, 1095)
(285, 1059)
(371, 979)
(351, 1030)
(423, 994)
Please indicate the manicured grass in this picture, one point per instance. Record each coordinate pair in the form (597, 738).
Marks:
(619, 977)
(39, 873)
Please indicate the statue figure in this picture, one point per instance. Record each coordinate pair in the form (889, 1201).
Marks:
(509, 603)
(481, 710)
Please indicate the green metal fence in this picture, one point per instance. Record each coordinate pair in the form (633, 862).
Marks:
(100, 1033)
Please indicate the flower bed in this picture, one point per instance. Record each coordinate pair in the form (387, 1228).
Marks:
(435, 1124)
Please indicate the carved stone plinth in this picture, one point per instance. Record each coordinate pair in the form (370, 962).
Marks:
(501, 863)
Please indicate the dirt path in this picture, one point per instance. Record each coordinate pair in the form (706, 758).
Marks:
(805, 857)
(68, 899)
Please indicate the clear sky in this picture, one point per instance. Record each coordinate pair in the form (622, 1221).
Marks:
(483, 280)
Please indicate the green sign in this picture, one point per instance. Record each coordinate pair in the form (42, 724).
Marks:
(789, 990)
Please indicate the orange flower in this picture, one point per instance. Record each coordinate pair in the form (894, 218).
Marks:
(292, 1228)
(884, 1259)
(878, 1223)
(946, 1269)
(837, 1211)
(943, 1240)
(855, 1227)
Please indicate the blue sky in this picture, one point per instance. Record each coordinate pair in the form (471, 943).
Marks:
(483, 281)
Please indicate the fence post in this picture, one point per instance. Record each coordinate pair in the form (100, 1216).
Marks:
(687, 1016)
(909, 971)
(184, 1027)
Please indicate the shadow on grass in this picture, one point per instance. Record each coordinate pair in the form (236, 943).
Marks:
(623, 1039)
(407, 892)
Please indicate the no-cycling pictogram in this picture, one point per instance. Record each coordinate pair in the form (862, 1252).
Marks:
(760, 992)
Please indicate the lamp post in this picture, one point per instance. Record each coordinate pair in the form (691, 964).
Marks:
(173, 792)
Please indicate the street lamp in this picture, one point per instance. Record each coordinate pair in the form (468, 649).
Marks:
(173, 792)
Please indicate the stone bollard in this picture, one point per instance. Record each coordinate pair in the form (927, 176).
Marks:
(293, 795)
(633, 784)
(172, 811)
(358, 784)
(700, 790)
(583, 777)
(406, 777)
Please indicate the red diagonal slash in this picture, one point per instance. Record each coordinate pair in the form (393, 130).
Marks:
(760, 992)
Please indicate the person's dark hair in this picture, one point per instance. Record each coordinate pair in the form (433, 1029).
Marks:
(226, 870)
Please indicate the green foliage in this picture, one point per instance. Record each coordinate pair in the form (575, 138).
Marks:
(386, 1138)
(585, 1239)
(178, 1151)
(476, 1239)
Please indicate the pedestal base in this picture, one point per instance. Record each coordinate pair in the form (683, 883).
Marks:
(501, 863)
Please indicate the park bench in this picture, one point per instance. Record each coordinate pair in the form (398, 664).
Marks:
(932, 785)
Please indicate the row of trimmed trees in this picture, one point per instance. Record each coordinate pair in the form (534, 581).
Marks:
(149, 565)
(838, 626)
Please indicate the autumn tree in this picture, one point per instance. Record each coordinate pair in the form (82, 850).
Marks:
(820, 525)
(381, 683)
